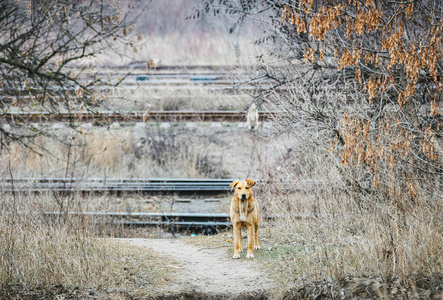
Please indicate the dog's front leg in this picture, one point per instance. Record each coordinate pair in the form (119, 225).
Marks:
(241, 241)
(256, 244)
(250, 239)
(237, 241)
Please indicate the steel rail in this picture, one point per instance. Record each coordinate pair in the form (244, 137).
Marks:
(170, 218)
(98, 185)
(158, 81)
(208, 222)
(197, 80)
(169, 215)
(93, 179)
(131, 86)
(135, 116)
(211, 68)
(128, 185)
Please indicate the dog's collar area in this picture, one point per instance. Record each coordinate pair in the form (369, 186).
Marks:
(249, 211)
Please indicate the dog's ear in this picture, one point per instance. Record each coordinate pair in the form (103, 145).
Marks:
(233, 184)
(250, 182)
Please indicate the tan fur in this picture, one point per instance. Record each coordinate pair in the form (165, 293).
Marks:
(244, 214)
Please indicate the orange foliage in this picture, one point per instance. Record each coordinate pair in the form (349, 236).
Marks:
(393, 61)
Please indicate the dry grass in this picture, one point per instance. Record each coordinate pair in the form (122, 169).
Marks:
(381, 244)
(171, 99)
(349, 234)
(141, 152)
(41, 254)
(371, 254)
(144, 150)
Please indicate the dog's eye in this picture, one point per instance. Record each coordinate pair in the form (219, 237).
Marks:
(247, 187)
(239, 188)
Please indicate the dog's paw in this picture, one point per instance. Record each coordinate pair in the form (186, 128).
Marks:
(236, 256)
(257, 248)
(250, 256)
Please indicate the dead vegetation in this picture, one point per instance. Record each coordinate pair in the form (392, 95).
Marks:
(146, 151)
(63, 256)
(323, 245)
(336, 237)
(190, 98)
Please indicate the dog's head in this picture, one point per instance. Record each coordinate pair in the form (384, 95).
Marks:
(243, 189)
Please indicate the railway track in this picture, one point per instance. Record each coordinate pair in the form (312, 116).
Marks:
(215, 79)
(188, 82)
(116, 185)
(135, 116)
(202, 84)
(141, 65)
(175, 77)
(171, 71)
(208, 223)
(131, 185)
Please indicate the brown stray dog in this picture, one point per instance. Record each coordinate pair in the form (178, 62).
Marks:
(244, 214)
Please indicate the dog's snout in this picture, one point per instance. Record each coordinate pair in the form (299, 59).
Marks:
(243, 196)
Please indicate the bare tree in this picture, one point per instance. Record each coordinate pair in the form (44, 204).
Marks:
(44, 50)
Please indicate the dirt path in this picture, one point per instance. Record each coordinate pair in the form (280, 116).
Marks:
(209, 271)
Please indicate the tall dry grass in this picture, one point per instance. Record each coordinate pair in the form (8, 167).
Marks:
(330, 232)
(170, 99)
(37, 253)
(147, 151)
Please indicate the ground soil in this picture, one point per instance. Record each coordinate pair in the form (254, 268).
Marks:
(208, 273)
